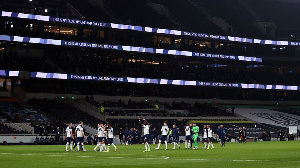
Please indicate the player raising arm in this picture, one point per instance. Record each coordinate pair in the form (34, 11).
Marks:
(69, 137)
(80, 136)
(146, 130)
(101, 137)
(164, 135)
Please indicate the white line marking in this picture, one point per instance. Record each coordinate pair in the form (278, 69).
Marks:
(250, 160)
(195, 159)
(161, 157)
(55, 155)
(85, 156)
(27, 154)
(115, 157)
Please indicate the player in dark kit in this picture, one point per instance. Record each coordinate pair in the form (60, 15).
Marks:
(222, 135)
(175, 135)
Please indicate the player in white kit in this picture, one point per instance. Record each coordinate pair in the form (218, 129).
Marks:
(210, 138)
(101, 137)
(204, 136)
(187, 130)
(110, 138)
(146, 130)
(80, 136)
(164, 134)
(69, 137)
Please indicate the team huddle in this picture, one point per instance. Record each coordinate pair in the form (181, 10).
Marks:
(105, 133)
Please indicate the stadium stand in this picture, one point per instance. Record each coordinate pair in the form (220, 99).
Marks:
(279, 66)
(62, 112)
(178, 109)
(270, 117)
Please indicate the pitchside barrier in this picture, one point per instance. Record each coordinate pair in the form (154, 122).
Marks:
(38, 140)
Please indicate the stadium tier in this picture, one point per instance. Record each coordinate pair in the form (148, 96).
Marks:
(175, 61)
(149, 83)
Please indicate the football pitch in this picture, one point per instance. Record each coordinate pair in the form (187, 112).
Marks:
(252, 154)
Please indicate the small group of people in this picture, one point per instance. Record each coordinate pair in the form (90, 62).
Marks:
(78, 137)
(191, 135)
(165, 131)
(207, 137)
(242, 135)
(105, 133)
(133, 136)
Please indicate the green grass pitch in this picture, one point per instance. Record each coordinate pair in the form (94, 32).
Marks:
(253, 154)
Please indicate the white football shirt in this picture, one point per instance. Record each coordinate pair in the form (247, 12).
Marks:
(146, 129)
(101, 132)
(209, 133)
(164, 130)
(79, 130)
(187, 131)
(68, 131)
(110, 132)
(204, 133)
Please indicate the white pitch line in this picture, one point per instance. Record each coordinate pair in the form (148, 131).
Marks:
(85, 156)
(5, 153)
(115, 157)
(148, 158)
(124, 154)
(162, 157)
(235, 160)
(195, 159)
(28, 154)
(55, 155)
(250, 160)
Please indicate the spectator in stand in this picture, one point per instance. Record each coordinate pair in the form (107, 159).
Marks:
(47, 129)
(102, 110)
(92, 98)
(4, 85)
(87, 98)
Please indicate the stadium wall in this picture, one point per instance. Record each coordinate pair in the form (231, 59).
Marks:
(102, 98)
(17, 139)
